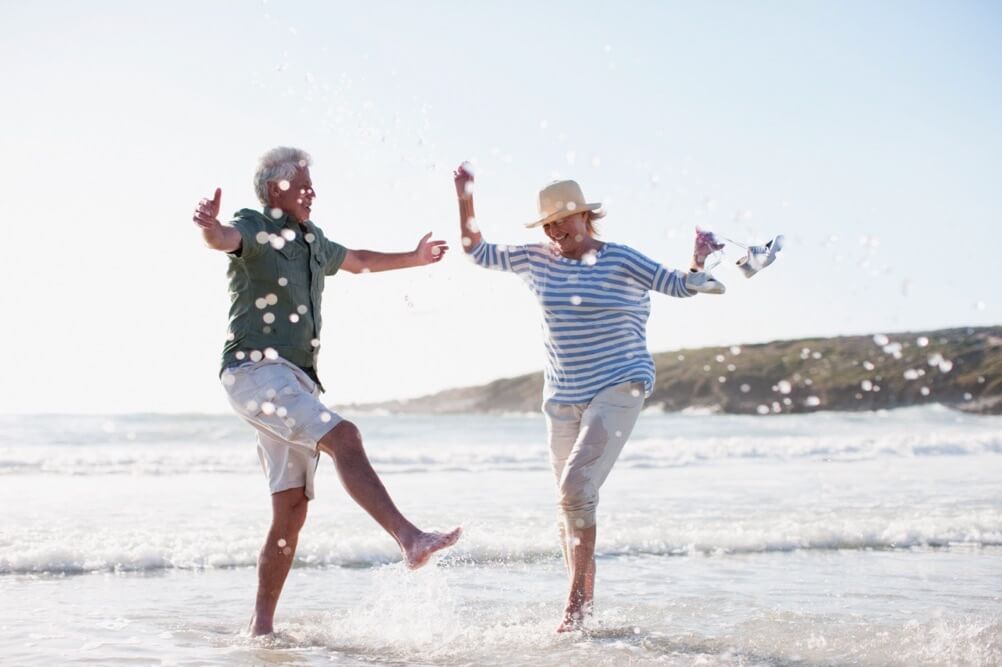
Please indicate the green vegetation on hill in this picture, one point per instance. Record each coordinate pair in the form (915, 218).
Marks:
(959, 367)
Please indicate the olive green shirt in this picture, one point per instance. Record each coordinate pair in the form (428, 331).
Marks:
(276, 282)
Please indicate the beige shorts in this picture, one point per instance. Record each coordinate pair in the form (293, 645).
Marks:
(282, 403)
(585, 441)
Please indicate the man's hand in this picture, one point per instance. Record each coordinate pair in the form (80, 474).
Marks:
(217, 236)
(205, 214)
(429, 252)
(463, 177)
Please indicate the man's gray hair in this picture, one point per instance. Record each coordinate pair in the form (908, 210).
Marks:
(278, 164)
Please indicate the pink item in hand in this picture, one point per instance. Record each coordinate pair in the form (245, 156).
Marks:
(706, 245)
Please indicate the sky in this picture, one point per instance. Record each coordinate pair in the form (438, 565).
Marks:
(867, 133)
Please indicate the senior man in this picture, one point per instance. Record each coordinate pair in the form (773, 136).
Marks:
(278, 260)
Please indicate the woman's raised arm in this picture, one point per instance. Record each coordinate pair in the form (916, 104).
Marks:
(468, 230)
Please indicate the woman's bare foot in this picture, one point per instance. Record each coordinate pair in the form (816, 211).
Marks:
(259, 627)
(575, 615)
(573, 620)
(417, 553)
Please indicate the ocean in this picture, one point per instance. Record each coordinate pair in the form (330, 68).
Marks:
(817, 539)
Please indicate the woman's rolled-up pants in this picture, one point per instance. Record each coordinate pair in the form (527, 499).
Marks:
(585, 441)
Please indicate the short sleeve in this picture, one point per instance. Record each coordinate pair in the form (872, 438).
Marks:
(249, 228)
(335, 254)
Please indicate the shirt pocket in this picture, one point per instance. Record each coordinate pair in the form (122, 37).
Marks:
(289, 262)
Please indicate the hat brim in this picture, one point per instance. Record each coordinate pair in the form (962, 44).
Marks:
(560, 215)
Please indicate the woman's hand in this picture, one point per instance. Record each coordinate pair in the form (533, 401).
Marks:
(463, 177)
(469, 233)
(706, 244)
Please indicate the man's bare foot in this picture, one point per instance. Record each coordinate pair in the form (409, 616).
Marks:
(417, 553)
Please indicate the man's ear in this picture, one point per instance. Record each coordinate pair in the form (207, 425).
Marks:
(273, 190)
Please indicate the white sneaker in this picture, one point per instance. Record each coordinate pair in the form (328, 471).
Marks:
(703, 283)
(760, 256)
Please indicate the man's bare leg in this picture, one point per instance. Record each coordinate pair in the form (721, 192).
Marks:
(344, 444)
(288, 513)
(582, 584)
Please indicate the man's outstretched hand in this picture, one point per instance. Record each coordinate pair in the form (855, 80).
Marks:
(208, 209)
(429, 252)
(216, 235)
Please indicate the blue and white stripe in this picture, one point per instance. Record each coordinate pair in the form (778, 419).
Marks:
(595, 313)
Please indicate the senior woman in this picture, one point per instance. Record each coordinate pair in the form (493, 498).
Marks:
(598, 371)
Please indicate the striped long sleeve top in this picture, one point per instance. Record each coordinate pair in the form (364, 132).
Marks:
(595, 313)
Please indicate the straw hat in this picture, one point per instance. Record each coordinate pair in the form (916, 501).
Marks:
(561, 199)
